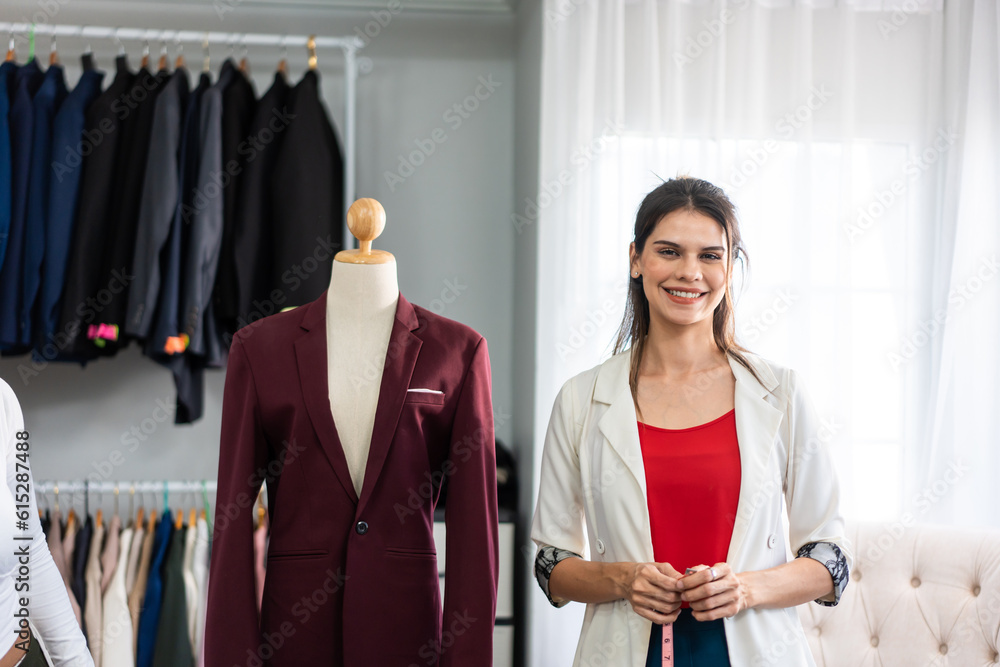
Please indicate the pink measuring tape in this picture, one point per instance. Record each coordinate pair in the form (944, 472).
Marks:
(667, 645)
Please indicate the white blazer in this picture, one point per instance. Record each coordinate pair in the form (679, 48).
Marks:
(592, 501)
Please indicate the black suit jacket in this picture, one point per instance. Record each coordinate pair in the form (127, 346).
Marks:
(239, 102)
(130, 171)
(307, 196)
(253, 235)
(102, 137)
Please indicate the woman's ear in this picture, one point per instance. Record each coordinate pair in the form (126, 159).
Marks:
(633, 260)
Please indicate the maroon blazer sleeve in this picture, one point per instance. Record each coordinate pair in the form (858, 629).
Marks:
(232, 627)
(471, 551)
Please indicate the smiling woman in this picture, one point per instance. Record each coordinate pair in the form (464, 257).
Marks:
(673, 453)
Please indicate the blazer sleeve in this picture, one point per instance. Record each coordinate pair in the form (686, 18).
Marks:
(559, 513)
(231, 622)
(812, 490)
(471, 549)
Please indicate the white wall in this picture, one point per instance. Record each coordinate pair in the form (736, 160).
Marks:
(447, 224)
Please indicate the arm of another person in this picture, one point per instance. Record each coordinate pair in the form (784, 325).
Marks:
(558, 531)
(816, 532)
(48, 602)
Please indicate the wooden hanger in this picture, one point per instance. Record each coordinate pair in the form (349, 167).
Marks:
(100, 517)
(311, 48)
(138, 517)
(179, 522)
(10, 48)
(206, 65)
(244, 66)
(152, 520)
(179, 63)
(283, 63)
(162, 65)
(145, 54)
(53, 53)
(192, 518)
(366, 220)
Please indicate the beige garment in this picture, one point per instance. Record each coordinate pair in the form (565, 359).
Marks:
(55, 541)
(138, 533)
(93, 605)
(117, 648)
(69, 542)
(190, 584)
(138, 594)
(199, 565)
(109, 557)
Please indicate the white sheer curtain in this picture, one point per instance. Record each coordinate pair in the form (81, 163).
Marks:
(861, 142)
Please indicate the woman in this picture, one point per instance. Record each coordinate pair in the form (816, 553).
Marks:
(28, 577)
(677, 455)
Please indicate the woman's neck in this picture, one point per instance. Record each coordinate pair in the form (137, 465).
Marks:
(674, 351)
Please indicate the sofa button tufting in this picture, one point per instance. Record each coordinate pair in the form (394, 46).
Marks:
(915, 582)
(817, 631)
(944, 649)
(975, 591)
(874, 641)
(996, 656)
(857, 576)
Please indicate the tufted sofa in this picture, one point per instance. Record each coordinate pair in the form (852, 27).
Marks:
(918, 595)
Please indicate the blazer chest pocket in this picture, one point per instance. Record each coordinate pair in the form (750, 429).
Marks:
(296, 555)
(424, 397)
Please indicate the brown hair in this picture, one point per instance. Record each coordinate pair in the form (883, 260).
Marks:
(692, 194)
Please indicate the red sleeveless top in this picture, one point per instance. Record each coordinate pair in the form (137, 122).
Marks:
(692, 490)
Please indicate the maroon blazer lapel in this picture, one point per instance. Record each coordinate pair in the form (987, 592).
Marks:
(310, 354)
(400, 359)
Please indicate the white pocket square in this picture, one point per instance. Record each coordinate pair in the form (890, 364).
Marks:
(426, 391)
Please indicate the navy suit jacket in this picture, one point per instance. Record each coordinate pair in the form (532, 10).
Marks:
(354, 580)
(46, 104)
(13, 338)
(64, 187)
(8, 70)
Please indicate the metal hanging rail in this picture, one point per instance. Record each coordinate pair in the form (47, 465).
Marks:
(348, 45)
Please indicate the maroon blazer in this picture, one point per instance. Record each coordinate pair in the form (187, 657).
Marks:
(353, 582)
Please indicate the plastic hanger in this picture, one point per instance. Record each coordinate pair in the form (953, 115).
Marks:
(206, 65)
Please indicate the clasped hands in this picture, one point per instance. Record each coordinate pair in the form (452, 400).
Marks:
(656, 591)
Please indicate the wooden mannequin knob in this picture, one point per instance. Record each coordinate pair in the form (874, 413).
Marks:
(366, 220)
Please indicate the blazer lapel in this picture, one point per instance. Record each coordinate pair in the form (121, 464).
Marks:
(310, 355)
(618, 424)
(757, 423)
(400, 359)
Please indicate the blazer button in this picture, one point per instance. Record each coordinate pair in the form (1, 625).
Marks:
(362, 527)
(771, 541)
(600, 546)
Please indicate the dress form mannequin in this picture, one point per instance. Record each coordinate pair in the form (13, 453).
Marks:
(361, 307)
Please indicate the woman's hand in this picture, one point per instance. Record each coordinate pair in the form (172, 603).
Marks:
(714, 592)
(651, 589)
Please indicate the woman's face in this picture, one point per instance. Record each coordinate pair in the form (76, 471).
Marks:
(683, 267)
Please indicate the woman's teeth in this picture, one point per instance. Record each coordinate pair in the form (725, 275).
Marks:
(685, 295)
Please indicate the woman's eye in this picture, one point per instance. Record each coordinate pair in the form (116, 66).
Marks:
(709, 255)
(667, 252)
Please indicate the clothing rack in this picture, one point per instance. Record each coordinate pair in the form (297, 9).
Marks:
(126, 488)
(349, 46)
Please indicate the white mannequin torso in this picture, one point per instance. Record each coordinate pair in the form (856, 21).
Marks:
(360, 310)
